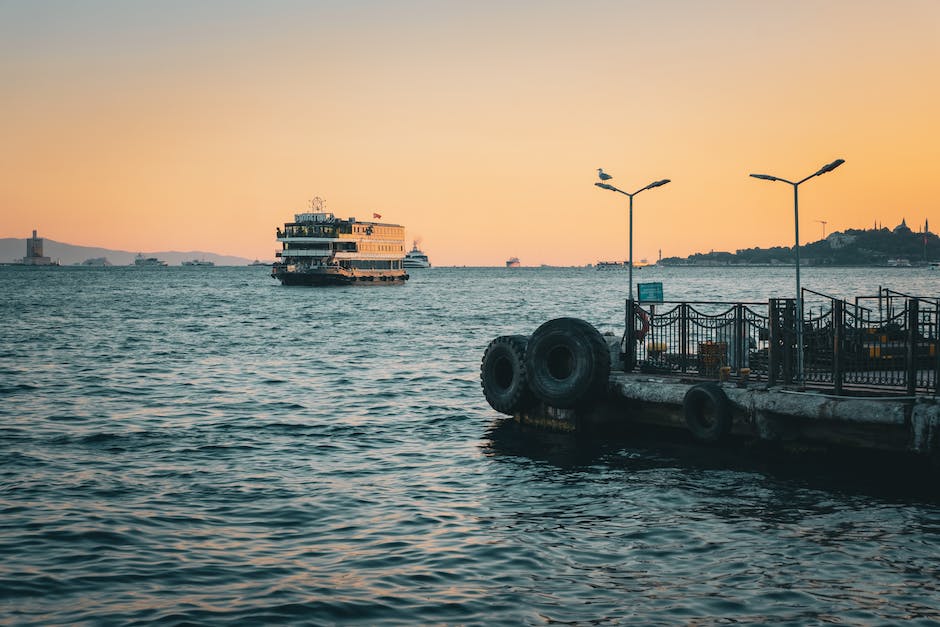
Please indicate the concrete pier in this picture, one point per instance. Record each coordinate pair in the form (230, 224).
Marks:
(792, 418)
(567, 376)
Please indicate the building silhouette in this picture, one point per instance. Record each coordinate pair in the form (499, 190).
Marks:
(34, 256)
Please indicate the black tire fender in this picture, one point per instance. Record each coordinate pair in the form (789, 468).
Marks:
(568, 363)
(707, 412)
(503, 374)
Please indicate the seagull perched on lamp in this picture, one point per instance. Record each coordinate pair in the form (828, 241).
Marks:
(603, 175)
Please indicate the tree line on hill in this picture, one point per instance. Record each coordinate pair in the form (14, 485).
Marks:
(853, 247)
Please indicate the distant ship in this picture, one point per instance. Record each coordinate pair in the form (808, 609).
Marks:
(618, 265)
(415, 258)
(512, 262)
(198, 262)
(259, 263)
(140, 260)
(321, 249)
(96, 261)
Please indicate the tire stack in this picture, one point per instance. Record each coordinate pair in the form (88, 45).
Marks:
(565, 363)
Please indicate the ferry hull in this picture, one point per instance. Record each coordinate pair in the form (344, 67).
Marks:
(318, 278)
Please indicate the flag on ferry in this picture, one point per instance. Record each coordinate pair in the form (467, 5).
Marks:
(376, 216)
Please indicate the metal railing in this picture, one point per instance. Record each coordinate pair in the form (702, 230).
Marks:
(846, 346)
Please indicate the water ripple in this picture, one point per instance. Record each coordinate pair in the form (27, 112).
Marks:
(206, 447)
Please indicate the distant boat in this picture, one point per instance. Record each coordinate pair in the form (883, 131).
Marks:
(934, 265)
(512, 262)
(259, 263)
(141, 261)
(616, 265)
(96, 261)
(199, 262)
(899, 263)
(415, 258)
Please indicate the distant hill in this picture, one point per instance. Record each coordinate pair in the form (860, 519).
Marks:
(854, 247)
(13, 249)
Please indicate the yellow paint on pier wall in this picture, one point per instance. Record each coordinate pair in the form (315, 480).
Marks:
(479, 126)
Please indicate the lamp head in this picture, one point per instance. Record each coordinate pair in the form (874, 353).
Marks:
(654, 184)
(604, 186)
(765, 177)
(829, 167)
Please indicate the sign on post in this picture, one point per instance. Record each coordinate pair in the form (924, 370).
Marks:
(650, 292)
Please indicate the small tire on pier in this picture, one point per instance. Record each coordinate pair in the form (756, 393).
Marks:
(707, 412)
(568, 363)
(503, 374)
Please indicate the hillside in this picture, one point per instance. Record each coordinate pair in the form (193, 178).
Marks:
(854, 247)
(12, 250)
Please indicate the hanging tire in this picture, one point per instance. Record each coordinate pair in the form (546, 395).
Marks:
(707, 412)
(568, 363)
(503, 374)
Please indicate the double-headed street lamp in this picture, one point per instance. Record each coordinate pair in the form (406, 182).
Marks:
(829, 167)
(630, 196)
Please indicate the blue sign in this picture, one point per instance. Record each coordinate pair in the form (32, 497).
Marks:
(650, 292)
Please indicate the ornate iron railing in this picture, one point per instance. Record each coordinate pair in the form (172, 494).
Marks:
(846, 346)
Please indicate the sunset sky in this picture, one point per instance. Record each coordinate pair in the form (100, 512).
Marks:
(479, 126)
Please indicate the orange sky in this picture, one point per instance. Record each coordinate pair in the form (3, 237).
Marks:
(477, 125)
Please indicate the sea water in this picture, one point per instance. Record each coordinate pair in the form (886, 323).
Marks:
(203, 445)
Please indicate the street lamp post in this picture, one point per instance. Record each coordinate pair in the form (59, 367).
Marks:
(829, 167)
(630, 196)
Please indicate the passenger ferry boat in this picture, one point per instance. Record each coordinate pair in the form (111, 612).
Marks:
(321, 249)
(199, 262)
(415, 258)
(512, 262)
